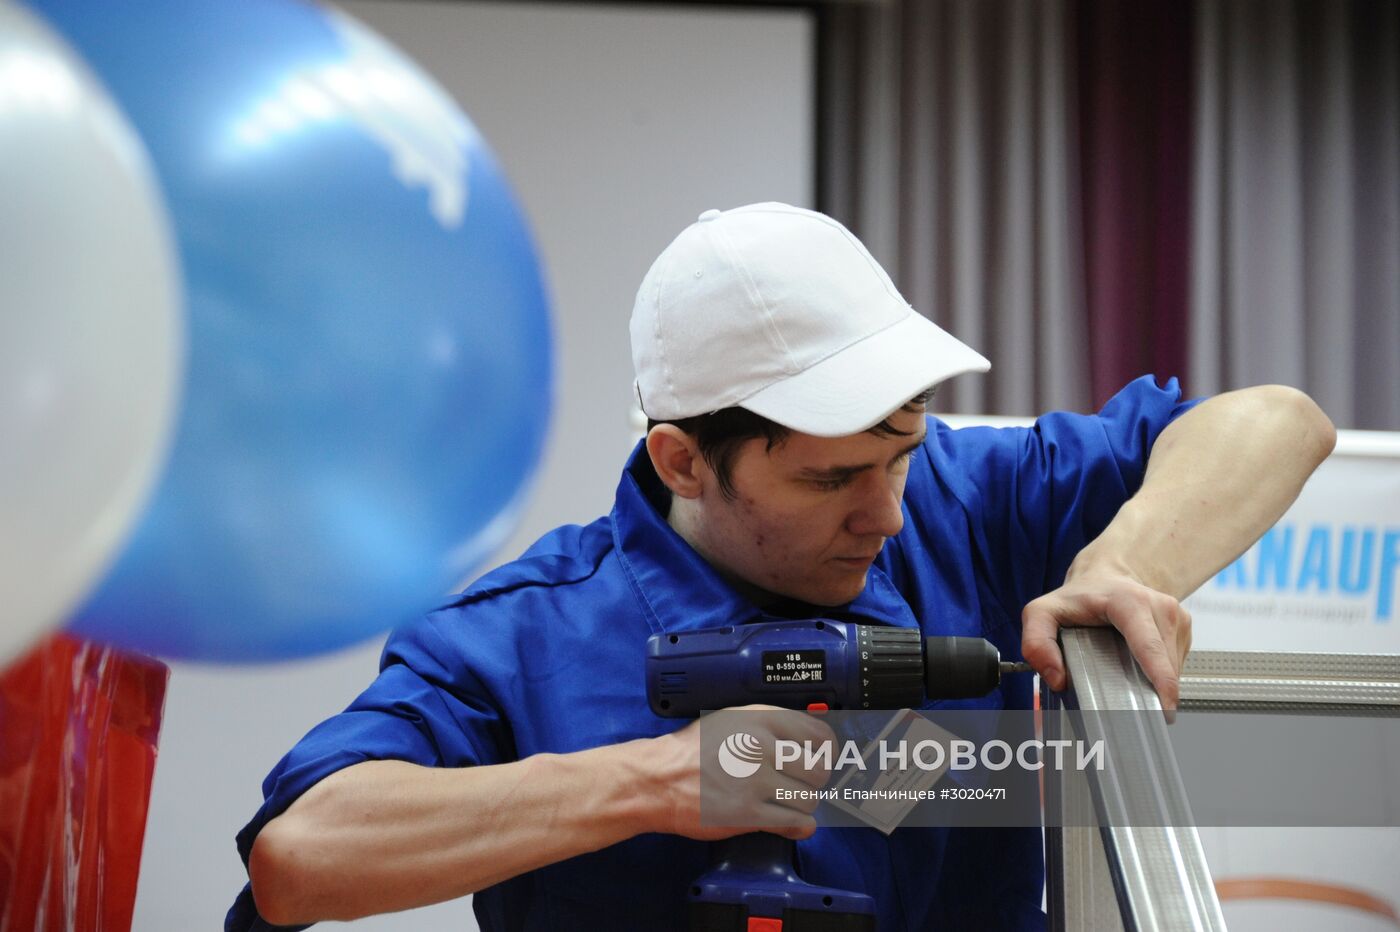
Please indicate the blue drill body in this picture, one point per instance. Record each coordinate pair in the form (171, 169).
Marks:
(799, 663)
(753, 885)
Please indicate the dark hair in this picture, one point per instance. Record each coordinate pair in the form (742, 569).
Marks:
(720, 434)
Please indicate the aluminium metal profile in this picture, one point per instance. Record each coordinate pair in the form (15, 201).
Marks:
(1363, 684)
(1159, 875)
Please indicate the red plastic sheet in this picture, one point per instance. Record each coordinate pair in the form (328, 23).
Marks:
(78, 729)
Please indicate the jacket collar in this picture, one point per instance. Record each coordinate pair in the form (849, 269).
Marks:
(680, 591)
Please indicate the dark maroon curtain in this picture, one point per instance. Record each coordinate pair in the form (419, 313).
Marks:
(1134, 74)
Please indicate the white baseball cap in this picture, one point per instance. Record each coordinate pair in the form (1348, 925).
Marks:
(782, 311)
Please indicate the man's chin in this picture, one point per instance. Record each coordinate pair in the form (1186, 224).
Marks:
(837, 596)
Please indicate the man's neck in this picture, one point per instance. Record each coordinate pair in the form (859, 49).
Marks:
(681, 519)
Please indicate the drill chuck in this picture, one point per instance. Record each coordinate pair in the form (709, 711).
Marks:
(891, 667)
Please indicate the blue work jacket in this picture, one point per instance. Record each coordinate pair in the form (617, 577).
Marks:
(546, 654)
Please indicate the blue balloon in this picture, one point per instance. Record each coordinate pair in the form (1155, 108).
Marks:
(369, 367)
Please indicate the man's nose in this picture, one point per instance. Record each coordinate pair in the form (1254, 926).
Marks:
(880, 510)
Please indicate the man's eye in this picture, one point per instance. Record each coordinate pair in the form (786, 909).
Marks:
(829, 485)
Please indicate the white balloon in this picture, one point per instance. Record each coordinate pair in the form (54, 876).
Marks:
(91, 340)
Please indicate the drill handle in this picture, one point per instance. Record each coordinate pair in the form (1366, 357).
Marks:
(762, 852)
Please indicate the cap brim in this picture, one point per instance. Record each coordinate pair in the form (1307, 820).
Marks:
(854, 389)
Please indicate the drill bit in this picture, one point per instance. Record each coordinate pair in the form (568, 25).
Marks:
(1018, 667)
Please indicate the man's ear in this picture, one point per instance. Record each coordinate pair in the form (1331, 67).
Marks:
(676, 458)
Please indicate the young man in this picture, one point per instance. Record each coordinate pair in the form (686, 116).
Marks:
(507, 748)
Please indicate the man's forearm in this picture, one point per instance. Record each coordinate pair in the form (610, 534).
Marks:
(388, 835)
(1218, 477)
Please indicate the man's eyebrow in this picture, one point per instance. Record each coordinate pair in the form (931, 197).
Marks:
(845, 472)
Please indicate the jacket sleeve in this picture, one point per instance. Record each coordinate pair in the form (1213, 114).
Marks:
(427, 706)
(1034, 497)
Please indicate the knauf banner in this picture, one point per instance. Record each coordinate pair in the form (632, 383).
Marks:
(1326, 577)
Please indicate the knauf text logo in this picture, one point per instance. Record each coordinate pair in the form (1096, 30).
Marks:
(740, 754)
(1322, 560)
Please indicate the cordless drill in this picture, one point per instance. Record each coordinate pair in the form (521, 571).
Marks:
(811, 664)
